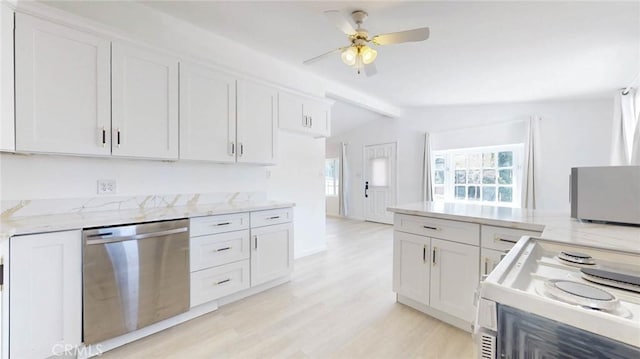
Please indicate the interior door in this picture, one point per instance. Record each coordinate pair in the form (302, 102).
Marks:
(380, 181)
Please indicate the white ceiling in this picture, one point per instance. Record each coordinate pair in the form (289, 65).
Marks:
(479, 52)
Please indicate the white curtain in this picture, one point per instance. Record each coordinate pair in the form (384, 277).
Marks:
(427, 180)
(344, 181)
(531, 159)
(626, 129)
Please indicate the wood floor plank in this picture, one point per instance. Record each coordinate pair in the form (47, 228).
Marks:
(339, 304)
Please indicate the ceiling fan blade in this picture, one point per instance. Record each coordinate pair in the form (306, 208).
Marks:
(370, 69)
(341, 22)
(419, 34)
(326, 54)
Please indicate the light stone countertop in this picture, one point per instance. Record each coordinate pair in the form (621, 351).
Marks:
(78, 220)
(555, 225)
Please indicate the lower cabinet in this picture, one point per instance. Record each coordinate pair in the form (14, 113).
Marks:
(489, 259)
(411, 267)
(271, 252)
(45, 294)
(213, 283)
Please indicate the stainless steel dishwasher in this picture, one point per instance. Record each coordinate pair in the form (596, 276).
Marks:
(133, 276)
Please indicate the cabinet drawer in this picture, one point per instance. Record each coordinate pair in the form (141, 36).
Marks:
(457, 231)
(217, 249)
(503, 239)
(272, 216)
(213, 283)
(201, 226)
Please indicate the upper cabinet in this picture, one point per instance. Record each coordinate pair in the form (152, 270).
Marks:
(145, 103)
(257, 123)
(62, 89)
(207, 114)
(7, 130)
(304, 115)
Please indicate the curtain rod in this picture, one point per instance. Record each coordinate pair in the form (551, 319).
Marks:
(626, 90)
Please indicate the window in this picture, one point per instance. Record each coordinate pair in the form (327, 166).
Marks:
(483, 175)
(332, 176)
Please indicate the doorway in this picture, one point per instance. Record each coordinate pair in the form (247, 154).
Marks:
(380, 181)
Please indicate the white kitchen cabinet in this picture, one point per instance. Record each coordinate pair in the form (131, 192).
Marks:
(45, 294)
(7, 121)
(217, 282)
(411, 266)
(257, 121)
(304, 115)
(207, 114)
(454, 278)
(144, 103)
(489, 259)
(271, 253)
(62, 89)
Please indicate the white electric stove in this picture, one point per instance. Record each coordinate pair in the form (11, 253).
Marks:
(552, 299)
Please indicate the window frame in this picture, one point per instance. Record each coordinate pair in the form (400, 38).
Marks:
(449, 185)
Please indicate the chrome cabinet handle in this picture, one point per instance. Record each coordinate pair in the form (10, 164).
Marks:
(255, 241)
(241, 148)
(223, 224)
(310, 121)
(433, 257)
(274, 217)
(424, 254)
(233, 148)
(304, 121)
(104, 136)
(497, 238)
(431, 228)
(223, 281)
(118, 137)
(223, 249)
(486, 265)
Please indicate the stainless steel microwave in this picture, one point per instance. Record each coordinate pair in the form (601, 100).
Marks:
(606, 194)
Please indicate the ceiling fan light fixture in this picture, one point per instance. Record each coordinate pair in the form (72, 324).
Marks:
(368, 55)
(349, 56)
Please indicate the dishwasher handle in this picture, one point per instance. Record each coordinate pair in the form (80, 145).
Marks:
(135, 236)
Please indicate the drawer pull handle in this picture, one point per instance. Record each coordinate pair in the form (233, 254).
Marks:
(500, 239)
(223, 224)
(431, 228)
(274, 217)
(223, 281)
(223, 249)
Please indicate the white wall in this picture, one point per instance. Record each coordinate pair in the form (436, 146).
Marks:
(297, 177)
(572, 133)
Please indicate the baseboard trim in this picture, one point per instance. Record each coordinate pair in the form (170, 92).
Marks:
(447, 318)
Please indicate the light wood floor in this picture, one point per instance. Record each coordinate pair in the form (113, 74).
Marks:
(339, 304)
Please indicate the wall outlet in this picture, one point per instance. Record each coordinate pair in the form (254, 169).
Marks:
(107, 187)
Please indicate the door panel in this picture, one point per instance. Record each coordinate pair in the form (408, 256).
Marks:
(380, 181)
(490, 259)
(454, 277)
(271, 253)
(145, 103)
(62, 83)
(411, 266)
(207, 114)
(257, 123)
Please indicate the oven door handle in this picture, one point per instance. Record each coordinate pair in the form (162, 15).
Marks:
(136, 236)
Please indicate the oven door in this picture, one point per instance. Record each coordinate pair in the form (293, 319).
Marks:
(526, 335)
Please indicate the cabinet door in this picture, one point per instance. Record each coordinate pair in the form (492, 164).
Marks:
(290, 115)
(271, 253)
(411, 266)
(45, 294)
(62, 89)
(7, 122)
(318, 114)
(145, 103)
(207, 114)
(490, 259)
(454, 277)
(257, 123)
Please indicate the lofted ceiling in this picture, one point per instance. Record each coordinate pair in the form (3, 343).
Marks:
(478, 52)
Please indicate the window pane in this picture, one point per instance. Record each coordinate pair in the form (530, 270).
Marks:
(379, 172)
(439, 177)
(461, 176)
(473, 193)
(438, 190)
(460, 191)
(460, 161)
(488, 176)
(489, 160)
(439, 163)
(488, 194)
(474, 176)
(505, 177)
(504, 194)
(505, 159)
(475, 160)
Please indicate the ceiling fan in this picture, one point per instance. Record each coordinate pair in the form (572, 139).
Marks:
(359, 54)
